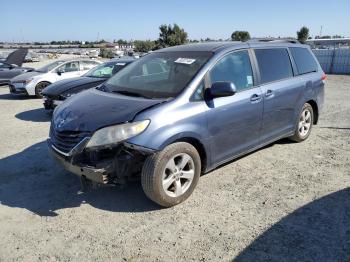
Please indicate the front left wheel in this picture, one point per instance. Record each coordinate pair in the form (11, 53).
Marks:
(170, 176)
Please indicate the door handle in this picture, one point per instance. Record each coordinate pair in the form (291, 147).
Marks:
(268, 93)
(255, 98)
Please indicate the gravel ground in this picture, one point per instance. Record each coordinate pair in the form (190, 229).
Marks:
(285, 202)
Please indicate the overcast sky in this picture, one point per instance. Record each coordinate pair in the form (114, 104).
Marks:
(42, 20)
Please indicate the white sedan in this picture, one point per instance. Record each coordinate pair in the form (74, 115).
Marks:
(32, 83)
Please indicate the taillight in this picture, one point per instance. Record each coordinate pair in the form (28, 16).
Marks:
(324, 77)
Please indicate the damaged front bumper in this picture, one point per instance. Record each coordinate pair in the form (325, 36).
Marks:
(50, 103)
(114, 165)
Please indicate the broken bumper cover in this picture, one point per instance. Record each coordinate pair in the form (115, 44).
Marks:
(125, 161)
(99, 175)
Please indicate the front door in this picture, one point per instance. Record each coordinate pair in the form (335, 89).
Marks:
(68, 70)
(234, 122)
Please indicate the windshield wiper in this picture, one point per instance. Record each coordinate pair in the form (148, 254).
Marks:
(130, 93)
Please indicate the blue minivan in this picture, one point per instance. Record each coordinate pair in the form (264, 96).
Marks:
(182, 111)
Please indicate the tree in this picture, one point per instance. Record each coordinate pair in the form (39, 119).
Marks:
(106, 53)
(144, 46)
(240, 36)
(303, 34)
(171, 36)
(122, 42)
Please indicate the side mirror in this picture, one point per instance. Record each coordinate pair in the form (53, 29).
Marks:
(60, 71)
(221, 89)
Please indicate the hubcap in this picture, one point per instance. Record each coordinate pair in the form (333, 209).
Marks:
(178, 175)
(304, 122)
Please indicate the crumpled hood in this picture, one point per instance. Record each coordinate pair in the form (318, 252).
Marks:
(25, 76)
(93, 109)
(65, 85)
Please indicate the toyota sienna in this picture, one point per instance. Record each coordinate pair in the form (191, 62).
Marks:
(182, 111)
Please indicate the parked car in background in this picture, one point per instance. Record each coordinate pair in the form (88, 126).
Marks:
(182, 111)
(12, 66)
(56, 93)
(32, 83)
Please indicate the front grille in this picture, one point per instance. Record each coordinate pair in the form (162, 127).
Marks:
(65, 141)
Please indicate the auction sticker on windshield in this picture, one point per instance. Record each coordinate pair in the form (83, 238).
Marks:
(186, 61)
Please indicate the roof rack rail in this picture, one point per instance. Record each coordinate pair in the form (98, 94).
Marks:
(275, 40)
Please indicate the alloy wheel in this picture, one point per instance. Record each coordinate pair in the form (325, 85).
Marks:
(178, 175)
(304, 124)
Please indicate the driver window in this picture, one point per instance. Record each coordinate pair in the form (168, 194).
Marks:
(235, 68)
(69, 67)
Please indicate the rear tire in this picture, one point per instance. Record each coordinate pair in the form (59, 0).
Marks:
(304, 124)
(170, 176)
(40, 87)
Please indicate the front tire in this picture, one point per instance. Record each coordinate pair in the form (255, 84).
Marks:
(170, 176)
(304, 124)
(39, 88)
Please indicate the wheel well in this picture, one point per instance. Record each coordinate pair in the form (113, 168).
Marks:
(199, 147)
(315, 109)
(42, 82)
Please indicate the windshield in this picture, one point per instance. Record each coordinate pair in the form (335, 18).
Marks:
(158, 75)
(49, 67)
(106, 70)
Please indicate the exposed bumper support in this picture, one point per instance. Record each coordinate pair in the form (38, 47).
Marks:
(99, 175)
(50, 103)
(120, 164)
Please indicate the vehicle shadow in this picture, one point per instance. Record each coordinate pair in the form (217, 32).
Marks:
(14, 97)
(283, 141)
(35, 115)
(333, 127)
(318, 231)
(32, 180)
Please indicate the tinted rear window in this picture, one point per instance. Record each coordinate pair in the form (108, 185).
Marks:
(274, 64)
(304, 60)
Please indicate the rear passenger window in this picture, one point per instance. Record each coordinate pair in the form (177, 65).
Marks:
(304, 60)
(235, 68)
(274, 64)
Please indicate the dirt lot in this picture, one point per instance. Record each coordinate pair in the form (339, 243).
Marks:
(286, 202)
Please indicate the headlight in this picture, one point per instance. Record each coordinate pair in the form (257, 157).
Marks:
(114, 134)
(27, 81)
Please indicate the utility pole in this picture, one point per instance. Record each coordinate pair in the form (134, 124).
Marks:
(321, 31)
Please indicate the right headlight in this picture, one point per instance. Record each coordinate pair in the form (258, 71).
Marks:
(114, 134)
